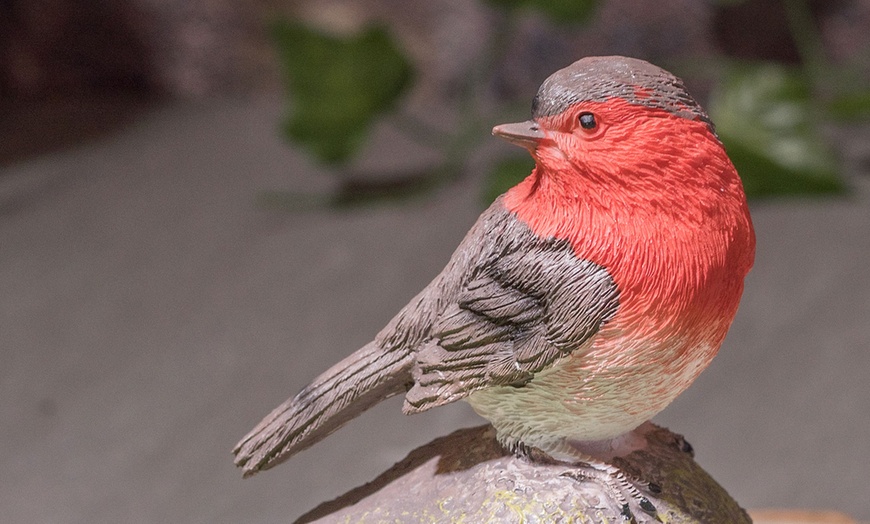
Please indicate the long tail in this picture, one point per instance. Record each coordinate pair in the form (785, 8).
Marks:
(341, 393)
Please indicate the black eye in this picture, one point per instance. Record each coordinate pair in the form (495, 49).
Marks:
(587, 121)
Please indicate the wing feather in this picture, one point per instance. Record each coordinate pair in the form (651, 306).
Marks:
(516, 315)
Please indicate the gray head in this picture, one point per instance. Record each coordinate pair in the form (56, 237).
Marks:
(598, 78)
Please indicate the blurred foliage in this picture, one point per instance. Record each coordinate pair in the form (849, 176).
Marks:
(507, 173)
(338, 86)
(851, 107)
(770, 116)
(559, 11)
(766, 117)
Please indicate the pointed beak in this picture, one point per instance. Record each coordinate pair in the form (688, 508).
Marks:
(524, 134)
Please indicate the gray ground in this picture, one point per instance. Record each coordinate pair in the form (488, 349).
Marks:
(151, 312)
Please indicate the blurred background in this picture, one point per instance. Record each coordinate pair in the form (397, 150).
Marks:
(205, 203)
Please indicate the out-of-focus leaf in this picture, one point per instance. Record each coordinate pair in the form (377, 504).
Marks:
(765, 117)
(774, 178)
(337, 86)
(562, 11)
(506, 174)
(851, 107)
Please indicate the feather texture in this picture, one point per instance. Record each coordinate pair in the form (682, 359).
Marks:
(355, 384)
(584, 300)
(492, 317)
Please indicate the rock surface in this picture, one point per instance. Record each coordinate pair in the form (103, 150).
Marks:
(467, 477)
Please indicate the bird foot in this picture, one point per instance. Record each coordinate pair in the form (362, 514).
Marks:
(626, 491)
(592, 461)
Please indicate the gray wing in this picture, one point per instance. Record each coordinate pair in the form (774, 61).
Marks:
(514, 316)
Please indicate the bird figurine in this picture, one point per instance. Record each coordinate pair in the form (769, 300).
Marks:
(583, 300)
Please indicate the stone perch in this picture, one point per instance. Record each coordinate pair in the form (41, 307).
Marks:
(467, 477)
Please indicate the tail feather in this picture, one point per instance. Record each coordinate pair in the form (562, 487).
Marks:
(335, 397)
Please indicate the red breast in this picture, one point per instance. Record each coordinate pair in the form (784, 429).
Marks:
(652, 197)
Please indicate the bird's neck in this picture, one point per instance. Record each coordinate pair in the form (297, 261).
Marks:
(609, 218)
(598, 217)
(661, 251)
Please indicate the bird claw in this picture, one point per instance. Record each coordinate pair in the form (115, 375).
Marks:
(625, 491)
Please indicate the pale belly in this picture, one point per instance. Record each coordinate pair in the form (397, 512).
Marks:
(584, 398)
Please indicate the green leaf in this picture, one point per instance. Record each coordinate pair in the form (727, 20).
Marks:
(561, 11)
(767, 119)
(505, 175)
(764, 177)
(338, 85)
(851, 107)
